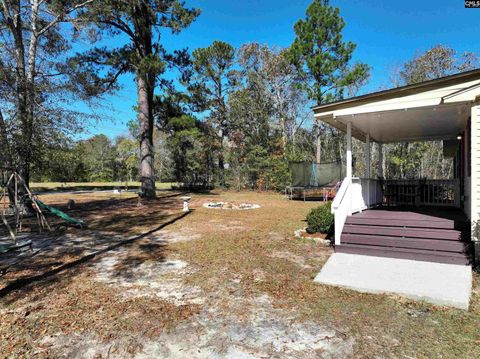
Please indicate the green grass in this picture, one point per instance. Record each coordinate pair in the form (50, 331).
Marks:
(71, 186)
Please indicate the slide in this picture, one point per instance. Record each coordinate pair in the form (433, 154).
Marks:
(5, 248)
(59, 213)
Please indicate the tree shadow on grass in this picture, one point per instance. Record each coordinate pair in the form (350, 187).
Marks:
(120, 215)
(25, 284)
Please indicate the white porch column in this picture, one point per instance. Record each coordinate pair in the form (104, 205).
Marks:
(475, 180)
(349, 166)
(367, 156)
(319, 144)
(349, 150)
(368, 201)
(380, 160)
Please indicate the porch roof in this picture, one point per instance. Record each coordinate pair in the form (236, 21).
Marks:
(431, 110)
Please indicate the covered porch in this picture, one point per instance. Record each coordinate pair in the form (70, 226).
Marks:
(413, 237)
(388, 216)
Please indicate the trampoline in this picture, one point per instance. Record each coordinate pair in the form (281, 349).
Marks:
(311, 177)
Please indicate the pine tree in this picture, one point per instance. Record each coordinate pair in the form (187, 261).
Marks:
(212, 82)
(323, 57)
(35, 40)
(141, 22)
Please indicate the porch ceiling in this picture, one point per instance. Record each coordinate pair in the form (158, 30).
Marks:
(416, 124)
(437, 109)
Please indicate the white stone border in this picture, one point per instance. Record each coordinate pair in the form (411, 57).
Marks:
(299, 233)
(240, 207)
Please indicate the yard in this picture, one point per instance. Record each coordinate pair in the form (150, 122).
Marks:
(147, 280)
(87, 186)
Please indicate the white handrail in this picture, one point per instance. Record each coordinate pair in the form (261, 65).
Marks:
(354, 195)
(337, 201)
(341, 207)
(358, 194)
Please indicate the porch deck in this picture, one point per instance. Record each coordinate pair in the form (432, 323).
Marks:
(425, 234)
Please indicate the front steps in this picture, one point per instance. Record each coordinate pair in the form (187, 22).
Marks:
(437, 236)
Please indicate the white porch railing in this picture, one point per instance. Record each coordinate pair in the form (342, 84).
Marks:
(366, 193)
(342, 207)
(358, 194)
(422, 192)
(355, 195)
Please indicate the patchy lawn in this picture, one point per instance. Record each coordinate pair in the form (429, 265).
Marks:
(147, 280)
(86, 186)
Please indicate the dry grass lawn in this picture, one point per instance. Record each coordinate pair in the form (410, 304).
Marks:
(146, 280)
(67, 186)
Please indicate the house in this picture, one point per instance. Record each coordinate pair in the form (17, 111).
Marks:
(429, 220)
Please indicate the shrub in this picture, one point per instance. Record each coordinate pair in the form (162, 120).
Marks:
(320, 219)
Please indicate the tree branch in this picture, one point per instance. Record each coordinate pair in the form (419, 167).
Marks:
(60, 16)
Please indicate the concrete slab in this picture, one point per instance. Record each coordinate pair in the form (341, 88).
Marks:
(437, 283)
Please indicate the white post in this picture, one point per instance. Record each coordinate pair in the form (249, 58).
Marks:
(349, 165)
(319, 145)
(367, 156)
(349, 150)
(475, 180)
(380, 160)
(367, 168)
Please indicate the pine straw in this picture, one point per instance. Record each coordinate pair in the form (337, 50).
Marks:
(82, 305)
(248, 247)
(382, 325)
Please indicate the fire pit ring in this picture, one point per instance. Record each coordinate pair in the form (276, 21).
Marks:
(229, 205)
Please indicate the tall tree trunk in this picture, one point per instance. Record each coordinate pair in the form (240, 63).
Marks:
(24, 79)
(6, 155)
(30, 93)
(22, 107)
(145, 122)
(145, 88)
(221, 158)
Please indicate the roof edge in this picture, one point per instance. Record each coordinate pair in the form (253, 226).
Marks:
(402, 90)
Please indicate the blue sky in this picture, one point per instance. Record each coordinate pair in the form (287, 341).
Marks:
(387, 33)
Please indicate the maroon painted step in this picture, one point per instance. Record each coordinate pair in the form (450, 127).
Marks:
(405, 242)
(403, 253)
(426, 234)
(404, 232)
(406, 222)
(437, 215)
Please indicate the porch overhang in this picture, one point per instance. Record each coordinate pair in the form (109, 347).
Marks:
(433, 110)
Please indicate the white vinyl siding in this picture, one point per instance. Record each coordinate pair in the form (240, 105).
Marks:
(475, 170)
(465, 172)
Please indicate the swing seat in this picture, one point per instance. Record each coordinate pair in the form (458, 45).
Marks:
(5, 248)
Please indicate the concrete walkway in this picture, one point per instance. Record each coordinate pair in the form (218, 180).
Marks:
(437, 283)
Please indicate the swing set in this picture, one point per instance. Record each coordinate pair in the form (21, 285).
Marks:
(16, 200)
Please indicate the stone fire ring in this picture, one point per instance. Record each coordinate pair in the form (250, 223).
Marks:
(228, 205)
